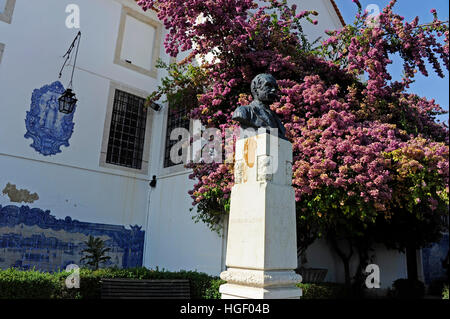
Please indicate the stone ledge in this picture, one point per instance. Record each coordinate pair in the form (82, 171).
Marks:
(231, 291)
(260, 278)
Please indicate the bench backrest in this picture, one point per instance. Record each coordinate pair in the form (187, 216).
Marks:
(145, 289)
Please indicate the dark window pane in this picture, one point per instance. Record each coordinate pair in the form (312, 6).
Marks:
(178, 118)
(127, 131)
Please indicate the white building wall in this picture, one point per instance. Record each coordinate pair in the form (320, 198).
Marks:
(32, 58)
(174, 241)
(327, 18)
(392, 264)
(71, 183)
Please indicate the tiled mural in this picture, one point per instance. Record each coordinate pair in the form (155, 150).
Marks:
(31, 237)
(49, 128)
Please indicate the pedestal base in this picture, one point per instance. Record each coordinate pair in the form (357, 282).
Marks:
(231, 291)
(260, 284)
(261, 243)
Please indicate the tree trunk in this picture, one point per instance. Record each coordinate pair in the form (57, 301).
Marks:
(348, 281)
(363, 248)
(345, 260)
(411, 262)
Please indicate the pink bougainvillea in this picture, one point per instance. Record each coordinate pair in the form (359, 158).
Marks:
(343, 130)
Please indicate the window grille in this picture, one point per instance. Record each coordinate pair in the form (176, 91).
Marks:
(178, 118)
(127, 131)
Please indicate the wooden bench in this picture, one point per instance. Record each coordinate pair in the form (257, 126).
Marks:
(145, 289)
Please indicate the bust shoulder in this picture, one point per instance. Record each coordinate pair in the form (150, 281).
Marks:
(245, 116)
(242, 112)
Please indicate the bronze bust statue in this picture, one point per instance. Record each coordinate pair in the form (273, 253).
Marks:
(258, 113)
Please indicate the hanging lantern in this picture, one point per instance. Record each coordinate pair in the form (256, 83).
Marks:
(67, 102)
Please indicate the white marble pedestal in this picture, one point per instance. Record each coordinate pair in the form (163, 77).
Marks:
(261, 248)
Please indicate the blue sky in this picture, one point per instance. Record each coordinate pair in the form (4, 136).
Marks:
(431, 86)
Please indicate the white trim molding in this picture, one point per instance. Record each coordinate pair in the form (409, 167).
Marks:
(7, 12)
(127, 11)
(2, 48)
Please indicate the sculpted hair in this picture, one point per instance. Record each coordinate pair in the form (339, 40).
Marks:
(258, 81)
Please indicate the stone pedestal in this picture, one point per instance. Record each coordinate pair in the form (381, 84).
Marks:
(261, 247)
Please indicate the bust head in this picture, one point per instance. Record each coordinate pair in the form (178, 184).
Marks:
(264, 88)
(258, 115)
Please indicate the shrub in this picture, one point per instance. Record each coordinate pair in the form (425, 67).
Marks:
(326, 290)
(437, 286)
(408, 289)
(213, 291)
(445, 293)
(17, 284)
(90, 281)
(33, 284)
(310, 291)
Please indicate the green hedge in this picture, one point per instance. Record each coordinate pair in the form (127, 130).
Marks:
(326, 290)
(213, 291)
(17, 284)
(407, 289)
(310, 291)
(31, 284)
(437, 286)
